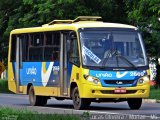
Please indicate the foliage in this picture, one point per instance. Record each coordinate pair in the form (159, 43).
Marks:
(31, 13)
(6, 10)
(145, 14)
(154, 93)
(4, 86)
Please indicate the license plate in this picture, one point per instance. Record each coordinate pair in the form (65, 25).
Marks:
(120, 90)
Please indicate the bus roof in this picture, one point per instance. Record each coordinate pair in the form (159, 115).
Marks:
(80, 22)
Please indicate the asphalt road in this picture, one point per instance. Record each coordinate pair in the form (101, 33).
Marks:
(66, 107)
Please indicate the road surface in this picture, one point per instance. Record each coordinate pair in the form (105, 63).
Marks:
(66, 107)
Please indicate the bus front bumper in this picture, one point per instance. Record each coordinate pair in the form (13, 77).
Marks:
(91, 91)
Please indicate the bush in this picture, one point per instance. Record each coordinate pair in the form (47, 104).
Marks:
(4, 86)
(155, 93)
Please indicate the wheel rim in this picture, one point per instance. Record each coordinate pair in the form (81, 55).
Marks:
(32, 97)
(76, 98)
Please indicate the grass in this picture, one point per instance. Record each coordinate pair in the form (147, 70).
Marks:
(23, 114)
(4, 86)
(155, 93)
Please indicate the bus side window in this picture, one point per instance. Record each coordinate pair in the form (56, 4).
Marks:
(37, 39)
(36, 46)
(24, 40)
(13, 48)
(72, 49)
(52, 47)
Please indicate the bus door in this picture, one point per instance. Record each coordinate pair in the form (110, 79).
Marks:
(18, 64)
(68, 57)
(63, 65)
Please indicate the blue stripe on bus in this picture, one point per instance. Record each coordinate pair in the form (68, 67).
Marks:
(32, 73)
(117, 76)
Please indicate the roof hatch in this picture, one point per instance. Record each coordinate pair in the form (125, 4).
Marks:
(78, 19)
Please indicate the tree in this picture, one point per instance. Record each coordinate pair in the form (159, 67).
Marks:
(6, 10)
(31, 13)
(145, 14)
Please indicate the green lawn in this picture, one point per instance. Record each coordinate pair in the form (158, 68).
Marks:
(23, 114)
(155, 93)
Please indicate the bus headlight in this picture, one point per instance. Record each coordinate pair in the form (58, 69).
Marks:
(143, 80)
(140, 81)
(92, 79)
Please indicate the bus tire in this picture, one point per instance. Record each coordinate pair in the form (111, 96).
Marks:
(79, 103)
(88, 102)
(43, 100)
(34, 99)
(134, 103)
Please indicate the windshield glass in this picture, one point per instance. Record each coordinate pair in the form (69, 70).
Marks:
(112, 48)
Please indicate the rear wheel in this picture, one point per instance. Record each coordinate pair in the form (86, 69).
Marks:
(79, 103)
(135, 103)
(88, 102)
(43, 100)
(36, 100)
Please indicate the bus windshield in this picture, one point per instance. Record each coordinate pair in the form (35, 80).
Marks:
(112, 48)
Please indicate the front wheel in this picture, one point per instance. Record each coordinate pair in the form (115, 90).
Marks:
(134, 103)
(79, 103)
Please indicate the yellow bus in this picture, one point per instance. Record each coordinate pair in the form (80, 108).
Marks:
(86, 60)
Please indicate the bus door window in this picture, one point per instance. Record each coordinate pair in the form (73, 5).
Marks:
(72, 49)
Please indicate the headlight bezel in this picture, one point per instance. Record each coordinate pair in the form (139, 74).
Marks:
(92, 79)
(143, 80)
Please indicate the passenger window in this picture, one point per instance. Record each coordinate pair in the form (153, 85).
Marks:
(36, 46)
(37, 39)
(52, 38)
(52, 47)
(24, 41)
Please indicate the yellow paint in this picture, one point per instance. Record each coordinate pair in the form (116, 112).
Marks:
(44, 67)
(85, 87)
(148, 72)
(46, 91)
(87, 92)
(11, 79)
(12, 86)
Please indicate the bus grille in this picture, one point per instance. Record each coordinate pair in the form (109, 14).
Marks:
(119, 82)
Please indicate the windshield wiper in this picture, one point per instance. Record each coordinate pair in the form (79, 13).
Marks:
(111, 53)
(123, 58)
(105, 60)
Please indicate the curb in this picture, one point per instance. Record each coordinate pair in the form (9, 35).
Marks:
(151, 101)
